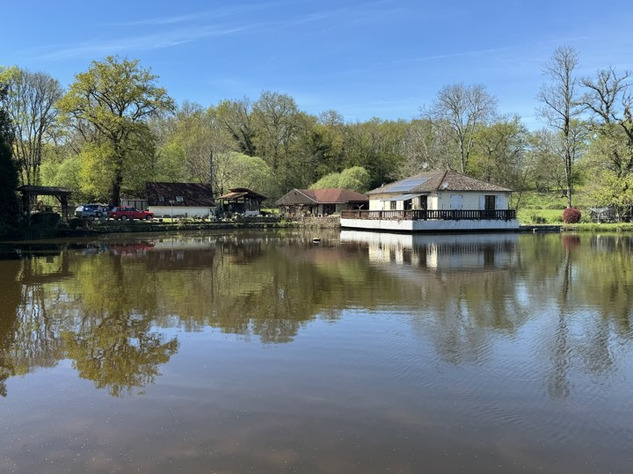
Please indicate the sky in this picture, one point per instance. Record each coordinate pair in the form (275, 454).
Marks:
(384, 59)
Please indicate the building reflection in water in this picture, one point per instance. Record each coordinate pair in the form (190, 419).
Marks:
(438, 252)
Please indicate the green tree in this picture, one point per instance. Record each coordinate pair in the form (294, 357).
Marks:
(169, 163)
(30, 103)
(193, 130)
(328, 181)
(110, 105)
(545, 169)
(499, 152)
(608, 98)
(326, 143)
(236, 170)
(282, 134)
(9, 210)
(376, 145)
(235, 120)
(64, 172)
(355, 178)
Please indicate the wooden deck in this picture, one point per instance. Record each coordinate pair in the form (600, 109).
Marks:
(420, 214)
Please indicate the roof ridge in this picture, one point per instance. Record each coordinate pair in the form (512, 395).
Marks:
(439, 184)
(300, 191)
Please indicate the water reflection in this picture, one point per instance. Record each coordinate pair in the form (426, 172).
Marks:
(473, 288)
(275, 352)
(438, 252)
(464, 285)
(104, 304)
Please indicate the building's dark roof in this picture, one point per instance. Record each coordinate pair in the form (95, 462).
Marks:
(438, 180)
(238, 193)
(179, 194)
(321, 196)
(44, 190)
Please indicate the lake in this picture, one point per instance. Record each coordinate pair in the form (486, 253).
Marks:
(317, 352)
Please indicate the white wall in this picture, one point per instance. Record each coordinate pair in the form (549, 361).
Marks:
(181, 211)
(442, 201)
(470, 200)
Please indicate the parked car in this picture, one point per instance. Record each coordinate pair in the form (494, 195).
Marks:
(90, 211)
(124, 213)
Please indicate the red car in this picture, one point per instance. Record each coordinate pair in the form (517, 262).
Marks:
(124, 213)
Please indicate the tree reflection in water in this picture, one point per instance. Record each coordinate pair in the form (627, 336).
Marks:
(103, 304)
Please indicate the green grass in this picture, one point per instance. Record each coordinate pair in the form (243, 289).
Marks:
(540, 216)
(615, 227)
(547, 208)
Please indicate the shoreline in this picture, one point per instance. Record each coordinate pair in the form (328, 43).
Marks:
(89, 228)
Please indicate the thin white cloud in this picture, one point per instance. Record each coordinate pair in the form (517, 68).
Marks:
(236, 11)
(158, 21)
(191, 27)
(146, 42)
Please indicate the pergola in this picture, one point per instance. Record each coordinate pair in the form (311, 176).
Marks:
(242, 200)
(29, 193)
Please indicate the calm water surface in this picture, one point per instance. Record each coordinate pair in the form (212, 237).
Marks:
(272, 353)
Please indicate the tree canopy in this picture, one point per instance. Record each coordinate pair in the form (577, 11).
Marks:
(109, 106)
(9, 210)
(115, 128)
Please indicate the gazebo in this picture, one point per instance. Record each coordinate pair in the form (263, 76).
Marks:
(242, 201)
(30, 193)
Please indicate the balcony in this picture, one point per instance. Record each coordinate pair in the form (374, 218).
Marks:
(431, 214)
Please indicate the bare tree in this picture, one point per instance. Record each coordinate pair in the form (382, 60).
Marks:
(463, 109)
(30, 103)
(609, 100)
(427, 145)
(561, 108)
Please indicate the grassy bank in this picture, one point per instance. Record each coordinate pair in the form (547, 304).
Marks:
(547, 208)
(599, 228)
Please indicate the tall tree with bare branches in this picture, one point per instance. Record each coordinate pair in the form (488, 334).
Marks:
(609, 99)
(561, 109)
(30, 104)
(462, 110)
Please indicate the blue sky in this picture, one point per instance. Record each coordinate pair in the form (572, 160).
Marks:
(364, 59)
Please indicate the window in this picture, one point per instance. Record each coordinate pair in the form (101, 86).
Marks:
(457, 201)
(392, 205)
(179, 199)
(161, 198)
(489, 203)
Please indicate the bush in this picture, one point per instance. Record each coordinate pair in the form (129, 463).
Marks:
(571, 215)
(75, 223)
(47, 219)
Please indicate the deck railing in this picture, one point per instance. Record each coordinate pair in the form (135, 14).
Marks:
(421, 214)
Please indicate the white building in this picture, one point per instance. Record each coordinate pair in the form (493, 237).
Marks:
(436, 201)
(180, 199)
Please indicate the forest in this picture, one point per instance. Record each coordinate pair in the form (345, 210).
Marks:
(114, 128)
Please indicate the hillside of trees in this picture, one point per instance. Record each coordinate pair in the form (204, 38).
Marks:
(114, 128)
